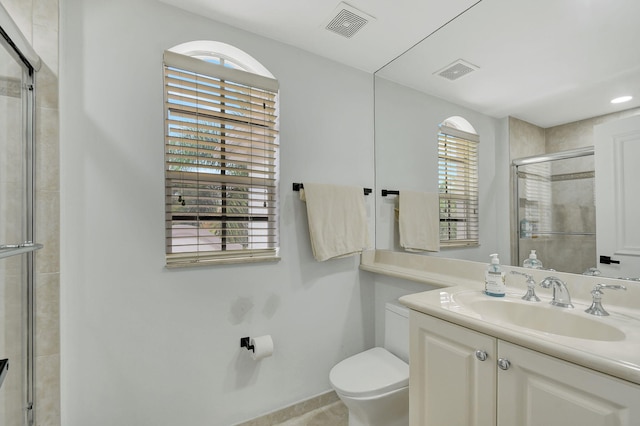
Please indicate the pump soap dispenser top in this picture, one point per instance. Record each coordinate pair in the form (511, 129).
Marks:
(494, 283)
(532, 261)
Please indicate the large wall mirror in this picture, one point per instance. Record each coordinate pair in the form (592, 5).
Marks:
(534, 79)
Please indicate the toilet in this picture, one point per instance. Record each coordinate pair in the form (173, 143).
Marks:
(374, 384)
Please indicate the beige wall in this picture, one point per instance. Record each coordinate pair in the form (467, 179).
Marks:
(38, 21)
(579, 133)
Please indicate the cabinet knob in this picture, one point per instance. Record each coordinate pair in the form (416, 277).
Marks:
(504, 363)
(481, 355)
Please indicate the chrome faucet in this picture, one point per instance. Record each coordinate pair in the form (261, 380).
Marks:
(561, 295)
(596, 306)
(531, 287)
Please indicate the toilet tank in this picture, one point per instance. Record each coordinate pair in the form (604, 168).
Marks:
(396, 330)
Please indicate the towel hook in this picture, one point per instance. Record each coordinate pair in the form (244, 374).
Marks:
(245, 342)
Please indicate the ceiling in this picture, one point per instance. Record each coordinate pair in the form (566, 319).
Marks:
(547, 62)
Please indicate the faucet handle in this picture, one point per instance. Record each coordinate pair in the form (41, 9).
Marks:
(531, 287)
(596, 305)
(609, 286)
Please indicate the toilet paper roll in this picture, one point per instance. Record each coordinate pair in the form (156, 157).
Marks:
(262, 347)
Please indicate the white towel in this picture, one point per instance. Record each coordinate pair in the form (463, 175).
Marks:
(419, 221)
(337, 220)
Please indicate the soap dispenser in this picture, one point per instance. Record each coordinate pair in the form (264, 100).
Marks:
(532, 262)
(494, 283)
(526, 229)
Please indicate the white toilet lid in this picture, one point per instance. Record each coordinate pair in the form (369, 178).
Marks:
(369, 373)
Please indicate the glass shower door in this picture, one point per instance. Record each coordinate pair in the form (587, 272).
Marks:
(16, 259)
(556, 210)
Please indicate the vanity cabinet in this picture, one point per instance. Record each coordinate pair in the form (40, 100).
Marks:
(538, 389)
(448, 382)
(459, 376)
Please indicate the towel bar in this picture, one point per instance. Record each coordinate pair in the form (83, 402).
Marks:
(298, 186)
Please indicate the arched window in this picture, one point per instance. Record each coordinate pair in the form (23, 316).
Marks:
(221, 156)
(222, 54)
(458, 183)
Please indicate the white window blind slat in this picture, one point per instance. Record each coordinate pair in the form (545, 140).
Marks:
(223, 86)
(220, 164)
(199, 66)
(458, 187)
(206, 112)
(180, 88)
(182, 120)
(237, 158)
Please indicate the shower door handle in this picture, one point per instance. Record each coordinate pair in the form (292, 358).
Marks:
(4, 367)
(607, 260)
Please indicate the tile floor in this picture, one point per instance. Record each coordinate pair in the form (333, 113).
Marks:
(335, 414)
(323, 410)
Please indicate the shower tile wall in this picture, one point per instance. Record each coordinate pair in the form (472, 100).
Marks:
(579, 134)
(38, 21)
(525, 139)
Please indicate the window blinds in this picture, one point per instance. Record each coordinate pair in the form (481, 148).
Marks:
(458, 187)
(221, 153)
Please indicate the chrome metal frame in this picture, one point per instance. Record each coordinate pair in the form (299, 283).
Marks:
(30, 102)
(562, 155)
(17, 46)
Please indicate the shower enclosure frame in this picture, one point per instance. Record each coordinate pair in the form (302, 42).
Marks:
(542, 158)
(18, 47)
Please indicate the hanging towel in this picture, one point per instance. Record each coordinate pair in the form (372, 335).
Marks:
(337, 220)
(419, 221)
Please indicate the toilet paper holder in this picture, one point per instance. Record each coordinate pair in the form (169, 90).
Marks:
(245, 342)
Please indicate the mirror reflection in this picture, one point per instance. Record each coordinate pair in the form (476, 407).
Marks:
(532, 78)
(556, 213)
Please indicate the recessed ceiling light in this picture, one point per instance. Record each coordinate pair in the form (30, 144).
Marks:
(621, 99)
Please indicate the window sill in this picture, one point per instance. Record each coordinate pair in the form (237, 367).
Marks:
(214, 262)
(444, 246)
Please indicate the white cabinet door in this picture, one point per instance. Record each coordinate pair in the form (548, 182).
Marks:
(449, 385)
(539, 390)
(617, 148)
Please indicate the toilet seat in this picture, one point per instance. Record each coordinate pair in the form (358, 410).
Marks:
(373, 372)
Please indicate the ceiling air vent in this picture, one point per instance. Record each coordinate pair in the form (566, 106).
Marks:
(347, 20)
(456, 70)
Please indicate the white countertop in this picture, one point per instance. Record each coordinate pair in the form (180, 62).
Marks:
(619, 358)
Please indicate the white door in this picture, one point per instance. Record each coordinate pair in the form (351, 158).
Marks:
(452, 379)
(539, 390)
(617, 163)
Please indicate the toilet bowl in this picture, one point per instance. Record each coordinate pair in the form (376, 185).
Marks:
(374, 384)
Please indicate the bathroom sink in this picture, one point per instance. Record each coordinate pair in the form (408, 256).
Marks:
(607, 344)
(539, 316)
